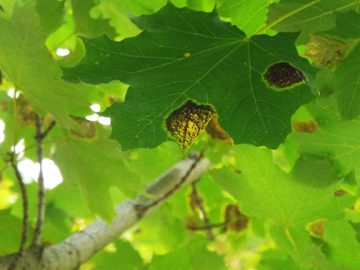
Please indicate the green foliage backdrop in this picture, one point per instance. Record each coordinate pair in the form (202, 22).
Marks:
(293, 168)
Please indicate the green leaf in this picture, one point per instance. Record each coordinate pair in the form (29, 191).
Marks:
(347, 25)
(348, 77)
(26, 62)
(124, 255)
(200, 257)
(117, 14)
(343, 248)
(57, 224)
(287, 201)
(178, 261)
(200, 5)
(94, 166)
(87, 26)
(339, 141)
(204, 60)
(271, 260)
(308, 15)
(10, 231)
(140, 7)
(193, 255)
(249, 16)
(66, 196)
(266, 192)
(57, 11)
(296, 242)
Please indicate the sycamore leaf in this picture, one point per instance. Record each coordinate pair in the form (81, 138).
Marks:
(94, 166)
(288, 201)
(266, 192)
(203, 60)
(26, 62)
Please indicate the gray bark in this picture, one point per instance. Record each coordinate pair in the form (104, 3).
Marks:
(81, 246)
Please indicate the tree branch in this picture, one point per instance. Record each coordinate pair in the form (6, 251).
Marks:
(81, 246)
(41, 186)
(40, 218)
(25, 221)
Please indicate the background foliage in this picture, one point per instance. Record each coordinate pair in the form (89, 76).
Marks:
(292, 174)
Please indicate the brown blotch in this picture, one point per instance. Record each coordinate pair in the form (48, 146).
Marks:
(234, 219)
(283, 75)
(324, 51)
(215, 131)
(317, 228)
(305, 126)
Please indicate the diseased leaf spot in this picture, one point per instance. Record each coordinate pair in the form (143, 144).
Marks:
(305, 126)
(326, 52)
(316, 228)
(187, 122)
(283, 75)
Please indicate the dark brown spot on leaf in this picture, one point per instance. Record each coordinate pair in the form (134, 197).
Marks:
(283, 75)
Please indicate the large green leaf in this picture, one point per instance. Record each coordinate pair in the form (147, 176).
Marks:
(287, 201)
(204, 60)
(94, 166)
(27, 63)
(308, 15)
(266, 192)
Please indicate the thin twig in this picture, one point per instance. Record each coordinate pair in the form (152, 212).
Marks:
(25, 205)
(49, 128)
(144, 208)
(198, 201)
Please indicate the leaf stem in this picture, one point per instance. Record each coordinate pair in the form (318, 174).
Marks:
(199, 203)
(207, 227)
